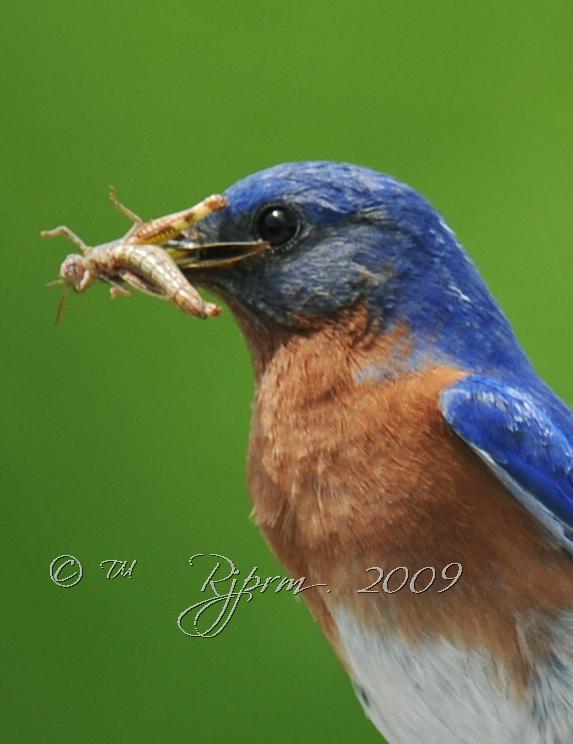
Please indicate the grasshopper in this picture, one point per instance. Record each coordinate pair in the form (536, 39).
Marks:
(137, 259)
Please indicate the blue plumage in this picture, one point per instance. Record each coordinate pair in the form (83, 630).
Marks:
(366, 237)
(522, 442)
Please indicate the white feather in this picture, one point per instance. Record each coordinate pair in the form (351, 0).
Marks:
(435, 693)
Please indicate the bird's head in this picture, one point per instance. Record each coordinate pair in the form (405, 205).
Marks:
(341, 236)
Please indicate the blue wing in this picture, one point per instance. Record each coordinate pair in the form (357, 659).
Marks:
(523, 442)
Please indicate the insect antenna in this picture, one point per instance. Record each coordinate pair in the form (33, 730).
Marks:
(61, 305)
(63, 298)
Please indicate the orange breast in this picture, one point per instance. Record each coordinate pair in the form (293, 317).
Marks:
(347, 475)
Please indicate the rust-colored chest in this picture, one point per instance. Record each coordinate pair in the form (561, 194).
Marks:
(347, 473)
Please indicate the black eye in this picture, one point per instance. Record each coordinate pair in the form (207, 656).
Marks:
(277, 225)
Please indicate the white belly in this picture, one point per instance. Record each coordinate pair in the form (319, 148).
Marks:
(438, 694)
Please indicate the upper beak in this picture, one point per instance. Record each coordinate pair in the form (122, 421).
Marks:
(189, 255)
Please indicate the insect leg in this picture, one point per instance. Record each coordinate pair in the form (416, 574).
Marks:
(162, 229)
(66, 233)
(118, 291)
(141, 284)
(115, 289)
(126, 211)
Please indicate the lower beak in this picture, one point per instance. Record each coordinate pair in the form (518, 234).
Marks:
(189, 255)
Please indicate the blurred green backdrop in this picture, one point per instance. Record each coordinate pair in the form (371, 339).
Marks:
(125, 429)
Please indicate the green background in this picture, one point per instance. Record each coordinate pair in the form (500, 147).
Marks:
(125, 428)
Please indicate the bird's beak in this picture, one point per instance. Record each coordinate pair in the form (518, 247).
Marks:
(190, 255)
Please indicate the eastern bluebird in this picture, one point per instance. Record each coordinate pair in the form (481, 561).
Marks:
(398, 424)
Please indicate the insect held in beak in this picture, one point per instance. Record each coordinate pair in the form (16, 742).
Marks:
(138, 259)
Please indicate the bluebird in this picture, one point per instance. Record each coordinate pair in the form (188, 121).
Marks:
(398, 431)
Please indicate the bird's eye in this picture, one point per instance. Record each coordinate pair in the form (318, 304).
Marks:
(277, 224)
